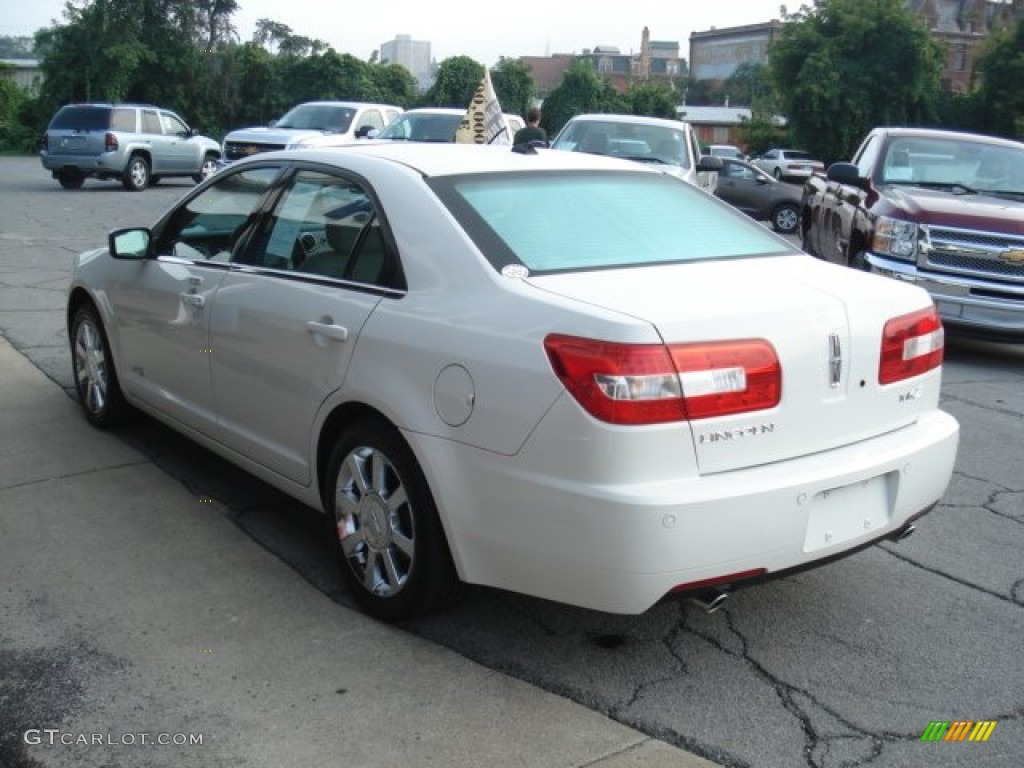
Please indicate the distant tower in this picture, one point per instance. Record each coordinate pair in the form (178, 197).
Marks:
(645, 55)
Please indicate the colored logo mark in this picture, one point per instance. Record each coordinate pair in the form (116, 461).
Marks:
(958, 730)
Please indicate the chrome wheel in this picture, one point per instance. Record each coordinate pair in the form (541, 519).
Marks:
(99, 391)
(136, 177)
(375, 522)
(390, 544)
(208, 169)
(91, 366)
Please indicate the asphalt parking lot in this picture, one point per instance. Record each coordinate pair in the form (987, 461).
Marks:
(842, 666)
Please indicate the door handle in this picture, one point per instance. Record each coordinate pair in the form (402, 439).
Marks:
(336, 332)
(194, 299)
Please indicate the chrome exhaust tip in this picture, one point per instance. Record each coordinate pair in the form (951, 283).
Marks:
(904, 532)
(709, 602)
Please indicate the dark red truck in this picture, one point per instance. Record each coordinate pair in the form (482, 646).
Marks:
(941, 209)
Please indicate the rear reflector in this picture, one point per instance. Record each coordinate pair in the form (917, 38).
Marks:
(911, 345)
(655, 384)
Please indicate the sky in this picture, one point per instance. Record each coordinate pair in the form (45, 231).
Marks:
(499, 29)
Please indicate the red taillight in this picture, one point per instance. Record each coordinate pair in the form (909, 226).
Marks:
(911, 345)
(654, 383)
(110, 142)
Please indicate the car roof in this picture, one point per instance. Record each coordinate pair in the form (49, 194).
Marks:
(937, 133)
(629, 119)
(352, 104)
(431, 159)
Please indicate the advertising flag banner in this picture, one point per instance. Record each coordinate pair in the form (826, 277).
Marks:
(484, 122)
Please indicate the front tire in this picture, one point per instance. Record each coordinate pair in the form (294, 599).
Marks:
(136, 175)
(777, 173)
(208, 169)
(389, 541)
(786, 218)
(99, 392)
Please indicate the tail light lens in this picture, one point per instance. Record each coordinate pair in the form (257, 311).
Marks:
(911, 345)
(655, 383)
(110, 142)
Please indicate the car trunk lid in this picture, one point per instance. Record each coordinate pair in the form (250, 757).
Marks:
(825, 324)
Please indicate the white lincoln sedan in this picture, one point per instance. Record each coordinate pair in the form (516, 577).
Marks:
(566, 375)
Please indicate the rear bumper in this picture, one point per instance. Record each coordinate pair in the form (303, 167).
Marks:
(622, 547)
(973, 305)
(87, 165)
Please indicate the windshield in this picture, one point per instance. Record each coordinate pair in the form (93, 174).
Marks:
(559, 221)
(636, 141)
(318, 117)
(962, 163)
(417, 126)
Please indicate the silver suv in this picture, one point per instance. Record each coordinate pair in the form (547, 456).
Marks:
(137, 144)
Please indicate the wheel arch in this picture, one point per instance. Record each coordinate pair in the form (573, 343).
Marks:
(337, 420)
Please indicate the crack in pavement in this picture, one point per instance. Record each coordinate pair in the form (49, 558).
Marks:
(955, 579)
(70, 475)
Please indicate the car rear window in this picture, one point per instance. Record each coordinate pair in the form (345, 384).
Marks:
(81, 118)
(556, 221)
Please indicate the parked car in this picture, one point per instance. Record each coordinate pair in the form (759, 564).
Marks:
(669, 144)
(794, 164)
(313, 124)
(759, 195)
(551, 372)
(434, 124)
(941, 209)
(725, 150)
(136, 144)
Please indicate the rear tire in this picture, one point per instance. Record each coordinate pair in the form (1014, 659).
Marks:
(99, 392)
(70, 180)
(136, 175)
(389, 541)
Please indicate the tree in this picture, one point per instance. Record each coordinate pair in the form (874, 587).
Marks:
(392, 84)
(654, 99)
(748, 83)
(456, 82)
(580, 91)
(513, 83)
(845, 66)
(999, 96)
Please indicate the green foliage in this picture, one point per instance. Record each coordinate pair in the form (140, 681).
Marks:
(845, 66)
(746, 85)
(457, 80)
(1000, 97)
(653, 98)
(580, 91)
(513, 83)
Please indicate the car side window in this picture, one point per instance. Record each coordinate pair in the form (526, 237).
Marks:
(323, 225)
(151, 122)
(209, 226)
(123, 120)
(172, 125)
(868, 156)
(371, 119)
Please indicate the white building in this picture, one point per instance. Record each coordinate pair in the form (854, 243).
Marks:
(414, 55)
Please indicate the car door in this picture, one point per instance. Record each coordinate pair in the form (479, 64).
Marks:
(163, 304)
(738, 186)
(159, 146)
(289, 313)
(180, 154)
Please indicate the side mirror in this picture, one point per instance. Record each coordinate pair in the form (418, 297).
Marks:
(372, 133)
(129, 243)
(709, 163)
(363, 131)
(847, 173)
